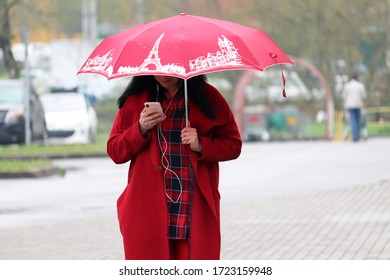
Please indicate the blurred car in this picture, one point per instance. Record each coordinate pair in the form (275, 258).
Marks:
(70, 118)
(12, 116)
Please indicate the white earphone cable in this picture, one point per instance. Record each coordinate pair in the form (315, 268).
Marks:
(164, 160)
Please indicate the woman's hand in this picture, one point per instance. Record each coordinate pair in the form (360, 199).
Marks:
(149, 118)
(189, 136)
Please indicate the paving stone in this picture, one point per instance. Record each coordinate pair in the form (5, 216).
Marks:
(345, 224)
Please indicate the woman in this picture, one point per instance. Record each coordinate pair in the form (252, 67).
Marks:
(170, 207)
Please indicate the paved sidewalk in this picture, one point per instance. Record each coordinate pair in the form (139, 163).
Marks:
(352, 223)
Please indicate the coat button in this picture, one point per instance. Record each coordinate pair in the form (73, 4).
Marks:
(159, 167)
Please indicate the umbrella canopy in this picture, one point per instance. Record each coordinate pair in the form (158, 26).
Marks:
(183, 46)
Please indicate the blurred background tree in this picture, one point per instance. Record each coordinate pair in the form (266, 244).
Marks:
(337, 37)
(6, 37)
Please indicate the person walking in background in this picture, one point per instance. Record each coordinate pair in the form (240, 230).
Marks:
(354, 94)
(170, 208)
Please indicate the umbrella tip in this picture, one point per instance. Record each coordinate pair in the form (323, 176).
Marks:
(183, 14)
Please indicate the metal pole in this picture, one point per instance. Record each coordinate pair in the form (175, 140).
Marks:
(27, 113)
(89, 21)
(141, 11)
(186, 100)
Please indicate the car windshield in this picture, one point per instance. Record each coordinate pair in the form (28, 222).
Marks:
(11, 94)
(57, 103)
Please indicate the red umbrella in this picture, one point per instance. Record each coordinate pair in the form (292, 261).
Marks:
(183, 46)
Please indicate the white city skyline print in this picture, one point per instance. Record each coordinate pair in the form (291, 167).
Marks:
(227, 55)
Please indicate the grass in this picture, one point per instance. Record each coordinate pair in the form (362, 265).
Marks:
(315, 130)
(51, 151)
(378, 129)
(23, 165)
(35, 150)
(15, 158)
(24, 158)
(318, 130)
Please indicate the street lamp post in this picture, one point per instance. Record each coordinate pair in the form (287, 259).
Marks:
(27, 98)
(89, 21)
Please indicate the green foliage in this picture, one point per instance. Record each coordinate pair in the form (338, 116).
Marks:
(321, 32)
(106, 111)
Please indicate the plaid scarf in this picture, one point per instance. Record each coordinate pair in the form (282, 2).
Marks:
(177, 178)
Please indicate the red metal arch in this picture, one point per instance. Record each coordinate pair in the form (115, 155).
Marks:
(247, 77)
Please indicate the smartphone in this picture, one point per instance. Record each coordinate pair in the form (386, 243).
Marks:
(154, 105)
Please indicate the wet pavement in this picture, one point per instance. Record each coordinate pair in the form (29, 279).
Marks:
(280, 200)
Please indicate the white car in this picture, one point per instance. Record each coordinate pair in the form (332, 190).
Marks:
(70, 118)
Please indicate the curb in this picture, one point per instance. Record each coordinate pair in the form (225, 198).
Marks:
(35, 173)
(54, 156)
(41, 172)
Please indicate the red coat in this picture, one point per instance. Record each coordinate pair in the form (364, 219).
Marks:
(142, 208)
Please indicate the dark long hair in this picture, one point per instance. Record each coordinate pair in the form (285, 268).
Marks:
(196, 88)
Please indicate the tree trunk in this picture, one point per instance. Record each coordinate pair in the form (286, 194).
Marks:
(5, 39)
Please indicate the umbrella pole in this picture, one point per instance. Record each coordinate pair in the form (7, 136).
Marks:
(186, 100)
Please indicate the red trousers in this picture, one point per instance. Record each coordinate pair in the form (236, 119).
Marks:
(178, 249)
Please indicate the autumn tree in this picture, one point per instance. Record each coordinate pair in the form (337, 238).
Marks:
(319, 31)
(6, 37)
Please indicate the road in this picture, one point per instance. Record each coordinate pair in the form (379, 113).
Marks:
(280, 200)
(263, 171)
(279, 169)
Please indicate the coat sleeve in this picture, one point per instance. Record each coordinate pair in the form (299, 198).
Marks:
(224, 142)
(125, 140)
